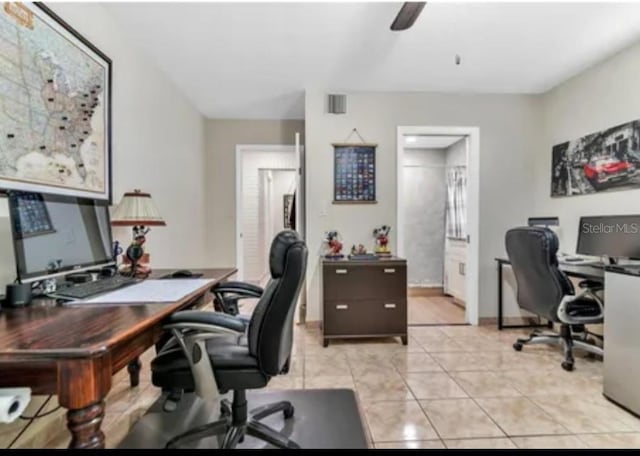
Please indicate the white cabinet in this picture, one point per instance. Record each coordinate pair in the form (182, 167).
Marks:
(455, 258)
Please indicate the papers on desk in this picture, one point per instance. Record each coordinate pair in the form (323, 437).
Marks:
(169, 290)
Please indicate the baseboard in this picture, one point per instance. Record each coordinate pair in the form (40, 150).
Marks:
(493, 321)
(313, 324)
(425, 291)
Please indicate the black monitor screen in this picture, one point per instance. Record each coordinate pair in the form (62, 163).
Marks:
(612, 236)
(53, 234)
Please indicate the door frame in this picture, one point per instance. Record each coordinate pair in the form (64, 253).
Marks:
(241, 150)
(473, 205)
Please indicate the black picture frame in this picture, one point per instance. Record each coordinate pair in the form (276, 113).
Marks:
(287, 202)
(354, 173)
(38, 11)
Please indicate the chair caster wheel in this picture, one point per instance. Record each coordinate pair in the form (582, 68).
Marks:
(568, 366)
(517, 346)
(288, 412)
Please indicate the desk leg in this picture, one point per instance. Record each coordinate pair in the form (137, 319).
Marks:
(83, 384)
(134, 369)
(84, 425)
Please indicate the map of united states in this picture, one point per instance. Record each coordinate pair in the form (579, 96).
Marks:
(52, 106)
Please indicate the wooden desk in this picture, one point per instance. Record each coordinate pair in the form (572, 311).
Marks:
(74, 351)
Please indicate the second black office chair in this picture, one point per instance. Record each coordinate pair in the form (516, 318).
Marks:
(213, 352)
(543, 289)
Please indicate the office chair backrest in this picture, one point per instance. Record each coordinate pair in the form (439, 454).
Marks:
(541, 285)
(270, 333)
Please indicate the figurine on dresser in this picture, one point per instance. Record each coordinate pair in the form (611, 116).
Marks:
(333, 245)
(381, 236)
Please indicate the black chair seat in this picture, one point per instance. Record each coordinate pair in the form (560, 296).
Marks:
(584, 307)
(234, 366)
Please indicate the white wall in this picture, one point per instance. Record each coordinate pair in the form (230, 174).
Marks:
(158, 140)
(509, 130)
(456, 153)
(602, 97)
(424, 208)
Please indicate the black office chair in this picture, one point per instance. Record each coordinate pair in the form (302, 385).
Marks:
(545, 290)
(212, 352)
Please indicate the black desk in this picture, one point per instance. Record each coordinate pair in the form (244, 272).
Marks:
(572, 270)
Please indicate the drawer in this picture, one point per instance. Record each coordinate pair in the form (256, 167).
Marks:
(378, 317)
(364, 282)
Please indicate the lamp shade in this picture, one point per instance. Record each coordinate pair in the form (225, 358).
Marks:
(136, 208)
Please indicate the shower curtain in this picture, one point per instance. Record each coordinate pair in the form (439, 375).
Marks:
(456, 210)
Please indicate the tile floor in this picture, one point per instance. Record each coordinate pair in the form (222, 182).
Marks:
(450, 387)
(429, 310)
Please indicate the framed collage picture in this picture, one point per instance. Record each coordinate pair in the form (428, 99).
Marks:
(354, 176)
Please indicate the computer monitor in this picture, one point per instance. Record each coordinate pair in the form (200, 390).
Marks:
(610, 236)
(54, 235)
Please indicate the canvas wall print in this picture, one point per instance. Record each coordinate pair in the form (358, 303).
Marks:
(354, 173)
(604, 161)
(55, 97)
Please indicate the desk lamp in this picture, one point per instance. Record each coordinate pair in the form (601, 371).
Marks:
(137, 210)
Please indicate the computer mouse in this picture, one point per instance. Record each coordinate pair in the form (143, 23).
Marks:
(182, 273)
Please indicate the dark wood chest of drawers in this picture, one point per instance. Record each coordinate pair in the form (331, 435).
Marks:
(365, 298)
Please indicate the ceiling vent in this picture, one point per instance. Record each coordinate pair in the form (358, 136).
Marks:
(337, 104)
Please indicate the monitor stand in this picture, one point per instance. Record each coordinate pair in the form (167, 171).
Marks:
(611, 260)
(78, 277)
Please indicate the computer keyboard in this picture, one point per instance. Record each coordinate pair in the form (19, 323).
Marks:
(87, 289)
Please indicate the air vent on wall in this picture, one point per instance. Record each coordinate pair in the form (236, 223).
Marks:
(337, 104)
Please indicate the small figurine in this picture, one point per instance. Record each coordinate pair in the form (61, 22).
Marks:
(360, 250)
(333, 245)
(137, 263)
(382, 240)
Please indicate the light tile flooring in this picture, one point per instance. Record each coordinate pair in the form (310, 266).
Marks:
(439, 310)
(450, 387)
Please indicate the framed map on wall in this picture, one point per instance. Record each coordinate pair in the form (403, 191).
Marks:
(55, 90)
(354, 176)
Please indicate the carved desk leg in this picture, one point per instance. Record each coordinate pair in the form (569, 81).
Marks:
(134, 369)
(82, 386)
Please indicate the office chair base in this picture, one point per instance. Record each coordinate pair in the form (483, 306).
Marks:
(233, 425)
(568, 342)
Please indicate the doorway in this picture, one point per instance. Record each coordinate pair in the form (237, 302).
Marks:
(275, 192)
(262, 172)
(437, 223)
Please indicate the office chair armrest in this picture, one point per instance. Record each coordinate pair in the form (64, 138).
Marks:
(206, 321)
(587, 295)
(592, 284)
(241, 289)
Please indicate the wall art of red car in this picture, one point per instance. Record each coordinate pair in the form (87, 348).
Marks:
(604, 171)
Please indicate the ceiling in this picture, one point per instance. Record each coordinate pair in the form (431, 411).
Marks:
(429, 141)
(254, 60)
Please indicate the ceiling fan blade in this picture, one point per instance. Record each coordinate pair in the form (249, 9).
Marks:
(407, 15)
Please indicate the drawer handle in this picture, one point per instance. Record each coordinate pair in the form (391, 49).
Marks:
(389, 306)
(389, 271)
(341, 271)
(342, 307)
